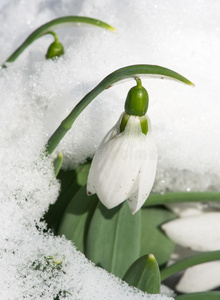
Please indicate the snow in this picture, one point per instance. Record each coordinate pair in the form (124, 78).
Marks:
(178, 37)
(37, 94)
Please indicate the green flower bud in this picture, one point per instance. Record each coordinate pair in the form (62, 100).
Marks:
(55, 49)
(136, 103)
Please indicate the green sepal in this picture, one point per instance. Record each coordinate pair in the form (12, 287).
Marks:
(55, 50)
(144, 274)
(143, 123)
(200, 296)
(124, 122)
(113, 240)
(58, 163)
(76, 218)
(153, 240)
(137, 100)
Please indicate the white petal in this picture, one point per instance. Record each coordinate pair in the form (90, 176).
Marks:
(199, 233)
(186, 209)
(92, 172)
(117, 166)
(147, 172)
(200, 278)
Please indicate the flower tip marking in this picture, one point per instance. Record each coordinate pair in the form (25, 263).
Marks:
(151, 257)
(60, 155)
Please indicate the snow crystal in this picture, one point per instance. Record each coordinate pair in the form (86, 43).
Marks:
(37, 94)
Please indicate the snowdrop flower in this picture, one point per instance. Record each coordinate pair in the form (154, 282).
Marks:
(124, 165)
(199, 232)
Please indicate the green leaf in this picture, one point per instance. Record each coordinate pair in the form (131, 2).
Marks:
(113, 241)
(56, 23)
(116, 76)
(189, 262)
(153, 240)
(76, 218)
(58, 163)
(144, 274)
(82, 173)
(200, 296)
(161, 199)
(71, 182)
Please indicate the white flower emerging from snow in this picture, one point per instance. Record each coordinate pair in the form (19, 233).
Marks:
(124, 165)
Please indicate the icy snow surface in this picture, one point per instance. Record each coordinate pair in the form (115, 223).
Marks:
(37, 94)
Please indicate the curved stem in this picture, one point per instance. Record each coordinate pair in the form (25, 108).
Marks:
(138, 81)
(158, 199)
(56, 39)
(42, 30)
(120, 74)
(189, 262)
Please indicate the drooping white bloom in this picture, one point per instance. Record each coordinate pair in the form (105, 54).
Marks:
(124, 166)
(200, 278)
(199, 233)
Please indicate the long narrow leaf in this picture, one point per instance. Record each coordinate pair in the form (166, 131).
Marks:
(144, 274)
(189, 262)
(200, 296)
(76, 218)
(153, 240)
(113, 241)
(158, 199)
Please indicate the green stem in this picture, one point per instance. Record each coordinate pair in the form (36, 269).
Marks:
(158, 199)
(189, 262)
(120, 74)
(56, 39)
(200, 296)
(139, 83)
(42, 30)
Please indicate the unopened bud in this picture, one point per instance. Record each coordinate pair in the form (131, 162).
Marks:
(55, 49)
